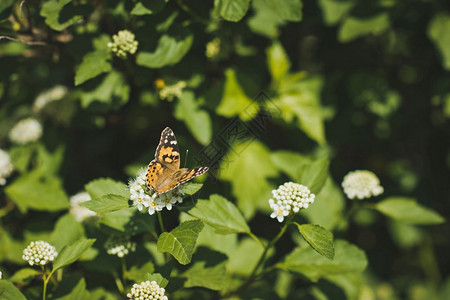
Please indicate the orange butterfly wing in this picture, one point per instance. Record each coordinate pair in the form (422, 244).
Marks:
(164, 173)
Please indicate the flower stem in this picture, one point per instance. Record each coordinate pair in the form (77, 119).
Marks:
(345, 218)
(59, 275)
(5, 210)
(46, 277)
(161, 223)
(189, 11)
(124, 268)
(256, 239)
(253, 274)
(44, 292)
(119, 284)
(163, 229)
(270, 245)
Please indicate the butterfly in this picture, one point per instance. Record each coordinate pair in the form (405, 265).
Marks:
(164, 173)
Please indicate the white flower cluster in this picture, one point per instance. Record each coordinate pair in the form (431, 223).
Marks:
(361, 184)
(289, 197)
(123, 43)
(119, 245)
(80, 213)
(26, 131)
(0, 274)
(53, 94)
(147, 290)
(143, 197)
(6, 166)
(39, 253)
(169, 92)
(213, 48)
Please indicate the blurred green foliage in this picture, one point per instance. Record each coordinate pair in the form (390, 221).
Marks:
(262, 92)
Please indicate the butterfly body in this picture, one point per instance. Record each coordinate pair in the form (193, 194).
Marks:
(164, 172)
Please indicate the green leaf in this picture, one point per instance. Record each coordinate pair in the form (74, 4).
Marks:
(350, 283)
(94, 63)
(10, 249)
(300, 98)
(111, 93)
(221, 243)
(106, 186)
(271, 14)
(234, 100)
(23, 276)
(31, 191)
(353, 28)
(191, 188)
(334, 11)
(71, 253)
(288, 10)
(138, 273)
(59, 16)
(315, 174)
(196, 119)
(75, 289)
(21, 156)
(408, 210)
(9, 291)
(248, 176)
(171, 48)
(264, 21)
(348, 259)
(106, 203)
(160, 280)
(118, 221)
(48, 163)
(328, 209)
(221, 214)
(278, 61)
(127, 220)
(4, 4)
(291, 163)
(245, 256)
(180, 242)
(213, 278)
(318, 238)
(148, 7)
(438, 32)
(406, 235)
(232, 10)
(168, 22)
(67, 230)
(102, 294)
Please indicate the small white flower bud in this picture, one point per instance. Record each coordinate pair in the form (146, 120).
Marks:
(6, 166)
(80, 213)
(39, 253)
(119, 245)
(26, 131)
(123, 43)
(147, 290)
(143, 197)
(54, 94)
(213, 48)
(170, 92)
(361, 184)
(289, 197)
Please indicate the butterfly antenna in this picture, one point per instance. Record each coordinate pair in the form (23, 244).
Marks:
(185, 159)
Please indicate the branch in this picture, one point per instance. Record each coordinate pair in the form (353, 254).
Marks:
(38, 43)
